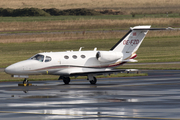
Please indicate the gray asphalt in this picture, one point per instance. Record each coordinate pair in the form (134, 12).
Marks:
(152, 97)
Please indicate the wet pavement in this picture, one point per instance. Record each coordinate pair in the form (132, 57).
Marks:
(152, 97)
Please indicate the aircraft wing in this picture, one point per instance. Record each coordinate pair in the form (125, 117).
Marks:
(107, 72)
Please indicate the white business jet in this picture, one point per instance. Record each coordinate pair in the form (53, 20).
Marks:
(82, 63)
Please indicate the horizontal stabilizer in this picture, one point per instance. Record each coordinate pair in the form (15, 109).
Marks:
(130, 60)
(169, 28)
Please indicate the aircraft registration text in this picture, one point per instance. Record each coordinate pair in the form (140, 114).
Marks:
(131, 42)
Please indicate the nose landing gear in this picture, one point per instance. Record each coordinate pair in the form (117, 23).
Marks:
(25, 83)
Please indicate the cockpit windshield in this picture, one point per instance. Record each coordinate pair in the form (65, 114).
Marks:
(38, 57)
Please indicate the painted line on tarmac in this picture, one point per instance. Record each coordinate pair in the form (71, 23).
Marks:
(83, 115)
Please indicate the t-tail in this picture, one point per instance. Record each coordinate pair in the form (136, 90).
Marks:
(130, 43)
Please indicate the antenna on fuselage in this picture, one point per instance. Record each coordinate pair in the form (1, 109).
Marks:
(80, 48)
(95, 49)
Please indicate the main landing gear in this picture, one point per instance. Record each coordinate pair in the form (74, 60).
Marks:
(66, 80)
(93, 82)
(92, 79)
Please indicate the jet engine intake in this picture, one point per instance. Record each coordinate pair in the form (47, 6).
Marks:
(108, 56)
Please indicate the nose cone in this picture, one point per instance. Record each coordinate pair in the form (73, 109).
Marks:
(22, 67)
(15, 69)
(10, 69)
(7, 70)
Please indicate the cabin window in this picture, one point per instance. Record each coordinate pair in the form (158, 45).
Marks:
(47, 59)
(83, 56)
(38, 57)
(74, 56)
(66, 57)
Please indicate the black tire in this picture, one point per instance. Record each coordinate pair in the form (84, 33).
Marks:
(66, 80)
(26, 82)
(93, 82)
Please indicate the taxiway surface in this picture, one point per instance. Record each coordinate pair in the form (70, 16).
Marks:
(156, 96)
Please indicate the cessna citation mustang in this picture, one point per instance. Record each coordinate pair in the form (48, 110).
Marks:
(82, 63)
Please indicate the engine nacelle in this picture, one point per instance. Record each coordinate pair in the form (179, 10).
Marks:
(108, 56)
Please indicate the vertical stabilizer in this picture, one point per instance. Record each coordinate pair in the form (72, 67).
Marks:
(132, 40)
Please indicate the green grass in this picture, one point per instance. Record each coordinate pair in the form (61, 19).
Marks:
(152, 67)
(166, 49)
(57, 18)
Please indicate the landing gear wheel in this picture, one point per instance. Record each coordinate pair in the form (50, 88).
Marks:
(66, 80)
(93, 82)
(26, 82)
